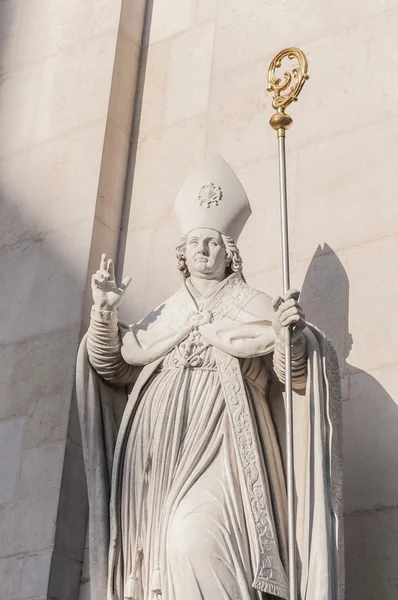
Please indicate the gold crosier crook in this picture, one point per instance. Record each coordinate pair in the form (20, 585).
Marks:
(285, 92)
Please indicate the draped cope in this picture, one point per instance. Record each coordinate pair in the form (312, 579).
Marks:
(187, 489)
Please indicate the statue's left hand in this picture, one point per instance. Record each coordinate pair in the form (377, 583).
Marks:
(287, 311)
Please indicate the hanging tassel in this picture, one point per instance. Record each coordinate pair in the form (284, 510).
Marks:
(131, 588)
(156, 584)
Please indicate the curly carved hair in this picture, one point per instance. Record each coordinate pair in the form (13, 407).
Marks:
(234, 260)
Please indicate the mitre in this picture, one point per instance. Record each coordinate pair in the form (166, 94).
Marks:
(213, 197)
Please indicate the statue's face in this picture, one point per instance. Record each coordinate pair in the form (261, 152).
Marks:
(205, 254)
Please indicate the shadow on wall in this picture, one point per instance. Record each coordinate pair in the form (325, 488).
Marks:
(370, 438)
(42, 516)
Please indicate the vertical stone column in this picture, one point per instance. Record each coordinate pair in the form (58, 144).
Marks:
(68, 73)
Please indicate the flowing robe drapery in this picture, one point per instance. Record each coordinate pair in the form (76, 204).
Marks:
(198, 498)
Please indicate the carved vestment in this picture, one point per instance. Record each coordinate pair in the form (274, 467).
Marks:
(188, 493)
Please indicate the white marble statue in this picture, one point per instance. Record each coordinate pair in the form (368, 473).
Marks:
(185, 464)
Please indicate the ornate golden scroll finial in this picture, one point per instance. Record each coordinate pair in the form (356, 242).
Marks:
(287, 90)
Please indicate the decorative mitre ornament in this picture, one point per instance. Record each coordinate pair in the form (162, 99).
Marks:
(213, 197)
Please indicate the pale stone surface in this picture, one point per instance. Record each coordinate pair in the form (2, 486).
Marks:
(10, 16)
(372, 104)
(27, 525)
(132, 19)
(55, 25)
(137, 263)
(11, 442)
(205, 10)
(170, 17)
(349, 189)
(375, 262)
(41, 471)
(11, 570)
(238, 116)
(371, 443)
(113, 176)
(17, 129)
(123, 82)
(59, 109)
(157, 182)
(260, 242)
(154, 92)
(34, 581)
(40, 263)
(371, 551)
(252, 29)
(188, 78)
(40, 193)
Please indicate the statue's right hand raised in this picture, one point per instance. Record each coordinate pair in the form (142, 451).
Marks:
(106, 294)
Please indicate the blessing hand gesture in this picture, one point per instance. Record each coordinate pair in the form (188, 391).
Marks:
(106, 294)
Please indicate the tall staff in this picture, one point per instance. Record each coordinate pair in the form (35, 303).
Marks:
(285, 92)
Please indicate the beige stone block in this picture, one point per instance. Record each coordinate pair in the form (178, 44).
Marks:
(63, 177)
(154, 92)
(46, 294)
(41, 471)
(18, 219)
(51, 185)
(328, 109)
(269, 282)
(163, 277)
(35, 575)
(28, 525)
(260, 240)
(47, 416)
(370, 440)
(205, 10)
(239, 110)
(170, 17)
(37, 377)
(75, 88)
(10, 576)
(132, 19)
(344, 189)
(17, 115)
(112, 181)
(11, 442)
(371, 543)
(136, 265)
(164, 160)
(255, 29)
(124, 78)
(10, 16)
(48, 26)
(188, 79)
(372, 272)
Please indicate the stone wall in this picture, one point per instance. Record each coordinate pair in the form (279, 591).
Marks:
(67, 86)
(204, 92)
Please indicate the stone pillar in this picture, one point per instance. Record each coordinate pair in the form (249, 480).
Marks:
(68, 75)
